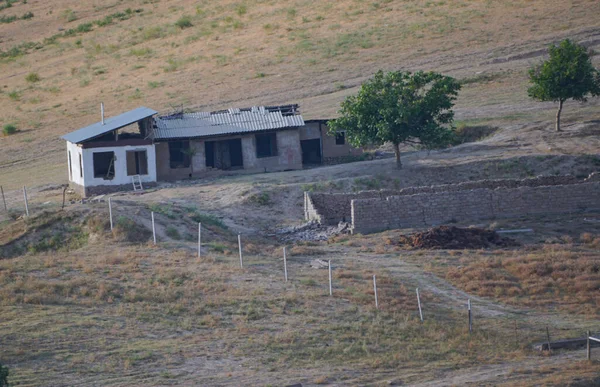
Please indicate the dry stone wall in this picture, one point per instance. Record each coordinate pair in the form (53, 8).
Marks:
(330, 209)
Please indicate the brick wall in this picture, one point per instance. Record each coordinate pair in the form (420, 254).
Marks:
(430, 209)
(332, 208)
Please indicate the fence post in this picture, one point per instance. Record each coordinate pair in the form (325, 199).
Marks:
(285, 264)
(240, 249)
(548, 336)
(3, 199)
(110, 213)
(470, 316)
(26, 203)
(419, 303)
(589, 347)
(153, 229)
(330, 286)
(199, 239)
(375, 289)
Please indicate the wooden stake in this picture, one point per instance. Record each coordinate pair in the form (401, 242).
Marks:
(285, 264)
(153, 228)
(199, 239)
(375, 289)
(240, 248)
(110, 214)
(470, 316)
(516, 335)
(589, 347)
(548, 336)
(26, 203)
(3, 199)
(330, 285)
(419, 302)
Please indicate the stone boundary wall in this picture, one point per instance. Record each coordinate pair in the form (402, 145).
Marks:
(431, 209)
(330, 209)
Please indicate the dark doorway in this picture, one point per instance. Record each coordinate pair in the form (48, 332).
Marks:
(311, 151)
(209, 151)
(235, 153)
(226, 154)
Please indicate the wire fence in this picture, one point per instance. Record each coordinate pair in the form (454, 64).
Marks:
(24, 202)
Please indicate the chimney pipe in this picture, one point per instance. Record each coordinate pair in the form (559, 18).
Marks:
(102, 111)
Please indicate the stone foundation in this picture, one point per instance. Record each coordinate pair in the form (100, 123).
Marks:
(85, 192)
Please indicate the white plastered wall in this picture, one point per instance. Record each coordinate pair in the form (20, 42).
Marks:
(121, 176)
(75, 174)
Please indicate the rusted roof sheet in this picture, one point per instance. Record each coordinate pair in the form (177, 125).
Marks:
(110, 124)
(232, 121)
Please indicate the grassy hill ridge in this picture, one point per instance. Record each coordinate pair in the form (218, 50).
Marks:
(57, 66)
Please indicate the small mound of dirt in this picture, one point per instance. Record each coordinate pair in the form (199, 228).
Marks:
(450, 237)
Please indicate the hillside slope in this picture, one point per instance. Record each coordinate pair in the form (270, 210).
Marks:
(205, 55)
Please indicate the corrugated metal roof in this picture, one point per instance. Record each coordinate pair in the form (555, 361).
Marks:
(234, 121)
(110, 124)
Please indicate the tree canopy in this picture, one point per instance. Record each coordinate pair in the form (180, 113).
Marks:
(567, 74)
(400, 107)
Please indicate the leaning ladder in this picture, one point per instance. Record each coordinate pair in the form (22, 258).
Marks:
(137, 183)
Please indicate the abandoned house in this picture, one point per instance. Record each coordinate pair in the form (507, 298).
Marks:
(108, 156)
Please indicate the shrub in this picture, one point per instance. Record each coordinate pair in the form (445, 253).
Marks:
(3, 376)
(184, 22)
(9, 129)
(262, 199)
(33, 77)
(172, 233)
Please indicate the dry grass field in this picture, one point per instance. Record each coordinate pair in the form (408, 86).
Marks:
(81, 305)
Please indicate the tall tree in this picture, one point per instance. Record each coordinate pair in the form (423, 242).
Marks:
(567, 74)
(400, 107)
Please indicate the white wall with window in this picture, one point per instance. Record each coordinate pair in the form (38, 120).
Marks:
(113, 166)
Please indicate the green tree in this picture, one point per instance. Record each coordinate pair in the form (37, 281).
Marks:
(190, 153)
(401, 108)
(567, 74)
(3, 376)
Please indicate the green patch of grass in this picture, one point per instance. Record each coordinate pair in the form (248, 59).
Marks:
(14, 95)
(205, 219)
(167, 210)
(155, 84)
(141, 52)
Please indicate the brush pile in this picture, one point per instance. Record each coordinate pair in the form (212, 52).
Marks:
(452, 238)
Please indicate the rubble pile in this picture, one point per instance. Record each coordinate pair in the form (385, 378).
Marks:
(450, 237)
(311, 231)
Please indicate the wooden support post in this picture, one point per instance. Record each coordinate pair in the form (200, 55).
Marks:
(470, 316)
(3, 199)
(26, 203)
(589, 346)
(199, 240)
(285, 264)
(110, 214)
(240, 249)
(153, 228)
(419, 303)
(330, 284)
(548, 337)
(375, 289)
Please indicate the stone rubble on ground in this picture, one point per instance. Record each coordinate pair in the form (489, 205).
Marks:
(311, 231)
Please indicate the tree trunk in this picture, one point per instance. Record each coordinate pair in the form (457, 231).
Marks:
(560, 106)
(397, 151)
